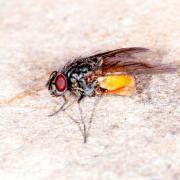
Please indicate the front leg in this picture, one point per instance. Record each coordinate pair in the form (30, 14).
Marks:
(61, 107)
(80, 98)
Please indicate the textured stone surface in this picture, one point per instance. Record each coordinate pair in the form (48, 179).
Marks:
(130, 138)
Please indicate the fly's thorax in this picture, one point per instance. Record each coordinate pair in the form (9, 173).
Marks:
(81, 76)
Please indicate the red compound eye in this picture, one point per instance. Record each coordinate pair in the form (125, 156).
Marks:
(60, 83)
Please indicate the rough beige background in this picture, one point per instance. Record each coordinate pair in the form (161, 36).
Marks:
(130, 138)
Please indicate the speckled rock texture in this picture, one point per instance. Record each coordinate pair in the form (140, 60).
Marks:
(130, 137)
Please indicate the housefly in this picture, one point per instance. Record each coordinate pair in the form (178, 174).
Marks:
(108, 73)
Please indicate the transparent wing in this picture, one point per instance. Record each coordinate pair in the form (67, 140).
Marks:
(131, 60)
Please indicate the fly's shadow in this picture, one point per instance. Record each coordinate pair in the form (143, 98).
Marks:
(143, 81)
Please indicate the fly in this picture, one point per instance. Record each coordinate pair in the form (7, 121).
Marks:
(108, 73)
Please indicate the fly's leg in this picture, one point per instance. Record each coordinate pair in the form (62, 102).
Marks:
(75, 121)
(86, 128)
(92, 114)
(84, 132)
(80, 98)
(61, 107)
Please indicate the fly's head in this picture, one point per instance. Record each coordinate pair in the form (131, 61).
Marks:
(57, 84)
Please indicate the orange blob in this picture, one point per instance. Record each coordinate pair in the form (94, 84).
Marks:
(118, 84)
